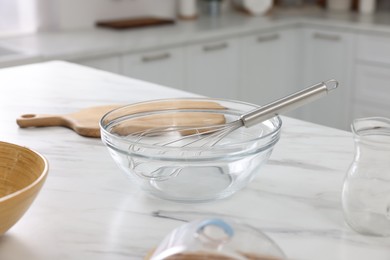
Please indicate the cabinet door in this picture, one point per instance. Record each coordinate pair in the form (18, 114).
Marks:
(329, 55)
(164, 67)
(372, 95)
(212, 69)
(270, 67)
(111, 64)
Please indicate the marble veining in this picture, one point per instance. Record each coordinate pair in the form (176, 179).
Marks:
(89, 209)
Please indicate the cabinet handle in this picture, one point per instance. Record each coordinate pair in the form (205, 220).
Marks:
(215, 47)
(268, 38)
(328, 37)
(162, 56)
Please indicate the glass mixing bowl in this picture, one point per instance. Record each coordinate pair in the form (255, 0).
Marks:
(216, 239)
(165, 148)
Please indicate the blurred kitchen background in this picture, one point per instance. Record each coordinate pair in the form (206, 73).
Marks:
(251, 50)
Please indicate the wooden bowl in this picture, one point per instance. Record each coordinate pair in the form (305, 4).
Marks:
(22, 174)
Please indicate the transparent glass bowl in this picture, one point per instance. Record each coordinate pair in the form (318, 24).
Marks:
(217, 239)
(187, 169)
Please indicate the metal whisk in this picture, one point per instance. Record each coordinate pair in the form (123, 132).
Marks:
(208, 136)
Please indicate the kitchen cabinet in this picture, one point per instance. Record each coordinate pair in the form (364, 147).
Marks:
(212, 68)
(270, 66)
(372, 93)
(373, 48)
(110, 63)
(261, 66)
(372, 76)
(163, 66)
(328, 54)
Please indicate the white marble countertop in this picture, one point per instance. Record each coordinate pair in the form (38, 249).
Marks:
(96, 42)
(88, 209)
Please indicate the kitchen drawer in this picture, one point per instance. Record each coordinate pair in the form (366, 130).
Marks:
(373, 48)
(328, 55)
(164, 66)
(212, 68)
(269, 66)
(372, 84)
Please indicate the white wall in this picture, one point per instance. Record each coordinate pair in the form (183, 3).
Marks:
(77, 14)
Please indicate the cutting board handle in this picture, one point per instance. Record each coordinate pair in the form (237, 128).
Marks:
(31, 120)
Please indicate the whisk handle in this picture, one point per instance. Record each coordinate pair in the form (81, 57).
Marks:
(288, 103)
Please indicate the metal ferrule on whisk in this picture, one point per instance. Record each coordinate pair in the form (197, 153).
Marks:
(288, 103)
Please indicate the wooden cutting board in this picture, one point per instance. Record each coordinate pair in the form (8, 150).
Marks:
(85, 122)
(120, 24)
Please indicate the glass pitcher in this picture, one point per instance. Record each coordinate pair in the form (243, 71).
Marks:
(366, 189)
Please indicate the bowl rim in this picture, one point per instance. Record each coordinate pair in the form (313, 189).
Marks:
(35, 182)
(273, 132)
